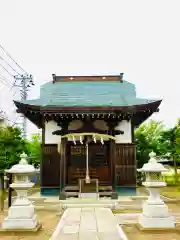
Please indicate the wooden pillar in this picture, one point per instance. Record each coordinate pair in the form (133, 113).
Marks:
(132, 131)
(42, 154)
(63, 163)
(112, 149)
(113, 164)
(110, 162)
(60, 170)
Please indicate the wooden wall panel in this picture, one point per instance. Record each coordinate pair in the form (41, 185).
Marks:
(125, 164)
(50, 166)
(125, 170)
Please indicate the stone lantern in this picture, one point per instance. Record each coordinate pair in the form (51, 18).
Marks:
(21, 215)
(155, 211)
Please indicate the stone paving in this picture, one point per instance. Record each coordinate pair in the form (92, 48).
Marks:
(87, 223)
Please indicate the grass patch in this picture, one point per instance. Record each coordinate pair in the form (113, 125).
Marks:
(175, 195)
(122, 211)
(171, 192)
(133, 233)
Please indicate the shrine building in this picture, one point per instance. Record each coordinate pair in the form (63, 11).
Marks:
(87, 127)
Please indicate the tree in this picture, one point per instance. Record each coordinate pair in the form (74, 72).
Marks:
(148, 137)
(170, 140)
(12, 145)
(153, 136)
(34, 150)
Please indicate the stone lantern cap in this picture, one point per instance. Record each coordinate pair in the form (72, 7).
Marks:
(152, 165)
(22, 166)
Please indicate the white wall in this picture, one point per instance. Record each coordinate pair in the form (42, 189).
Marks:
(49, 128)
(54, 139)
(124, 126)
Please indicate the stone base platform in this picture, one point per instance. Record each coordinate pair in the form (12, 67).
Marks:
(156, 222)
(35, 229)
(90, 202)
(175, 229)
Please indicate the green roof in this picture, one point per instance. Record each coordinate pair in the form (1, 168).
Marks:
(89, 94)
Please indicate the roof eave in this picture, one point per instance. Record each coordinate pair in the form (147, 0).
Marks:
(22, 106)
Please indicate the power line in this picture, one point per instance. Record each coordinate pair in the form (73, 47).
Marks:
(9, 65)
(2, 79)
(3, 115)
(12, 59)
(6, 83)
(7, 70)
(15, 121)
(6, 79)
(25, 81)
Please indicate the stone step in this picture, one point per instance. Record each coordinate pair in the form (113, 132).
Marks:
(89, 205)
(105, 194)
(71, 194)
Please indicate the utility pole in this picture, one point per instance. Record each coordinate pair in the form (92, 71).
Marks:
(26, 81)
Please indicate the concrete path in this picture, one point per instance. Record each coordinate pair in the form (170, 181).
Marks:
(87, 224)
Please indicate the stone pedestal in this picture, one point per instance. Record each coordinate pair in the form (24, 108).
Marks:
(20, 223)
(155, 213)
(21, 215)
(156, 223)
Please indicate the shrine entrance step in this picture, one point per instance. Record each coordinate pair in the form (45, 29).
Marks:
(87, 190)
(71, 191)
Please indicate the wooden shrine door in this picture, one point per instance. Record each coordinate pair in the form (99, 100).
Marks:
(98, 162)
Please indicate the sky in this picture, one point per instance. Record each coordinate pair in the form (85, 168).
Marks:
(140, 38)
